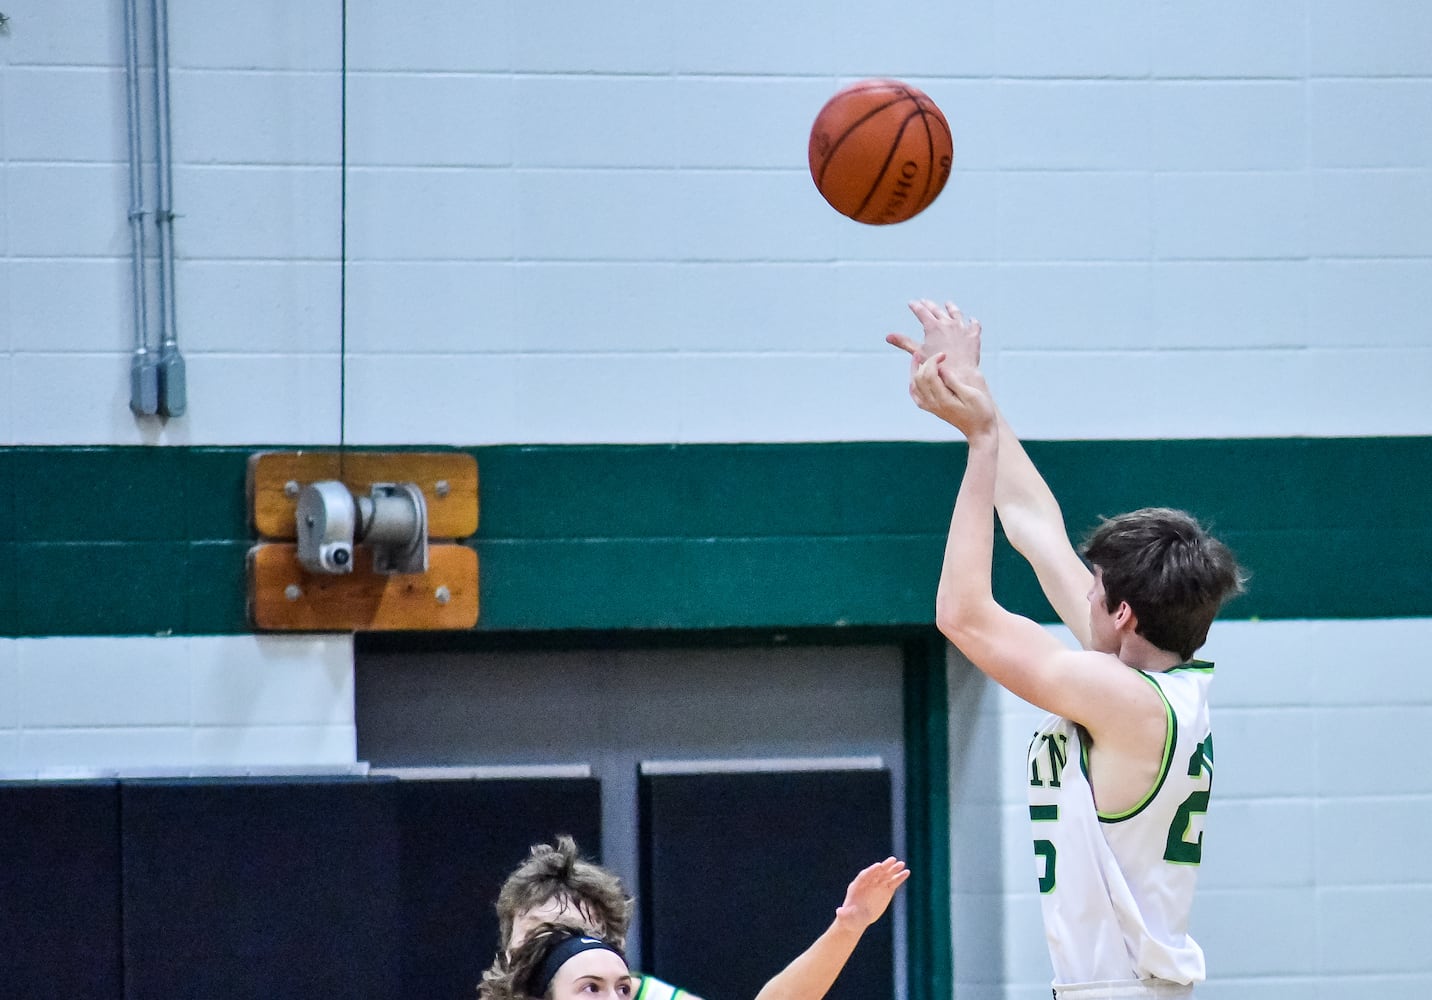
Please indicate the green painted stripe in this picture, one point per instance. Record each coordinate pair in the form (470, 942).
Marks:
(930, 969)
(133, 540)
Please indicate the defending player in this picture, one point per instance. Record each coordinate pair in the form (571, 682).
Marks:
(556, 887)
(1119, 774)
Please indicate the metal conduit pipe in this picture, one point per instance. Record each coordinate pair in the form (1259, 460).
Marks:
(172, 395)
(143, 373)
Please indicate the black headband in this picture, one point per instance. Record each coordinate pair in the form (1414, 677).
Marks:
(560, 954)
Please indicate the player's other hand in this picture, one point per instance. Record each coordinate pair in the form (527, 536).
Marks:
(869, 895)
(958, 396)
(946, 330)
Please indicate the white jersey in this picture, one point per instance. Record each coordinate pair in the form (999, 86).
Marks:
(1117, 888)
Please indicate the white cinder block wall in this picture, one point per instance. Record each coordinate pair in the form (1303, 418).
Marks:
(591, 222)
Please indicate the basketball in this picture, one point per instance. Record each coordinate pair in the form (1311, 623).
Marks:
(880, 151)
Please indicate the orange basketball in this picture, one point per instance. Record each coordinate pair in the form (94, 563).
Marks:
(880, 151)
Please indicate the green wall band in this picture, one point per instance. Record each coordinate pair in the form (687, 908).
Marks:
(141, 540)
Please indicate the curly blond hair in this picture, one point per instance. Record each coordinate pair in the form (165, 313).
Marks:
(557, 871)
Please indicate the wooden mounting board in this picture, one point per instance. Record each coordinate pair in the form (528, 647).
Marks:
(273, 509)
(362, 600)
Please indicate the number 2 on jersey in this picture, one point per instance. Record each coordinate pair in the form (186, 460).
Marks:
(1180, 850)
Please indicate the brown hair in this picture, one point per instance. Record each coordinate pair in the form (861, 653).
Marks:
(555, 871)
(509, 976)
(1174, 575)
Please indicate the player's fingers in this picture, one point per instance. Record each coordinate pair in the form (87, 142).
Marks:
(953, 311)
(906, 344)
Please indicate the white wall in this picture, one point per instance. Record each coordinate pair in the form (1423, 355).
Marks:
(1312, 883)
(593, 222)
(574, 221)
(98, 706)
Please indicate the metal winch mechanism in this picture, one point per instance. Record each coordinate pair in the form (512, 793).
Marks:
(392, 521)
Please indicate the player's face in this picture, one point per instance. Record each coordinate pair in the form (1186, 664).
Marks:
(1102, 633)
(592, 975)
(557, 910)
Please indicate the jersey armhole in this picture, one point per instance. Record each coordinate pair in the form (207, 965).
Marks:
(1170, 741)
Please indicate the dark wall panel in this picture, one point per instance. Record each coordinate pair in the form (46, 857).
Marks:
(60, 891)
(458, 842)
(742, 871)
(260, 890)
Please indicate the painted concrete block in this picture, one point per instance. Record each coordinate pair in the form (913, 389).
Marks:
(1228, 38)
(1368, 841)
(70, 305)
(1386, 394)
(1250, 843)
(1228, 304)
(265, 35)
(466, 399)
(267, 212)
(62, 114)
(1048, 394)
(1230, 216)
(9, 687)
(50, 753)
(1249, 738)
(67, 210)
(1228, 126)
(446, 307)
(603, 397)
(1058, 305)
(278, 119)
(576, 37)
(430, 120)
(1371, 213)
(83, 682)
(1083, 216)
(1074, 125)
(65, 33)
(431, 214)
(1364, 750)
(624, 307)
(1109, 38)
(1370, 303)
(273, 746)
(291, 398)
(1260, 932)
(444, 36)
(1370, 123)
(261, 306)
(1364, 663)
(735, 122)
(271, 680)
(1264, 664)
(595, 121)
(1379, 38)
(1356, 936)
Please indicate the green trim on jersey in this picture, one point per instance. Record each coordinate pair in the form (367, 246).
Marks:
(1170, 741)
(665, 990)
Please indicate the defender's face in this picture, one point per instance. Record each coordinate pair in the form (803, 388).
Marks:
(592, 975)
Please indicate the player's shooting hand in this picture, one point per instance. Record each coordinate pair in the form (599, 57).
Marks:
(947, 331)
(869, 895)
(957, 396)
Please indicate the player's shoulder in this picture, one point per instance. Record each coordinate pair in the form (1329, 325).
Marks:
(648, 987)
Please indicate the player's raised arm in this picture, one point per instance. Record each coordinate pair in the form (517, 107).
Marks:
(813, 972)
(1028, 511)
